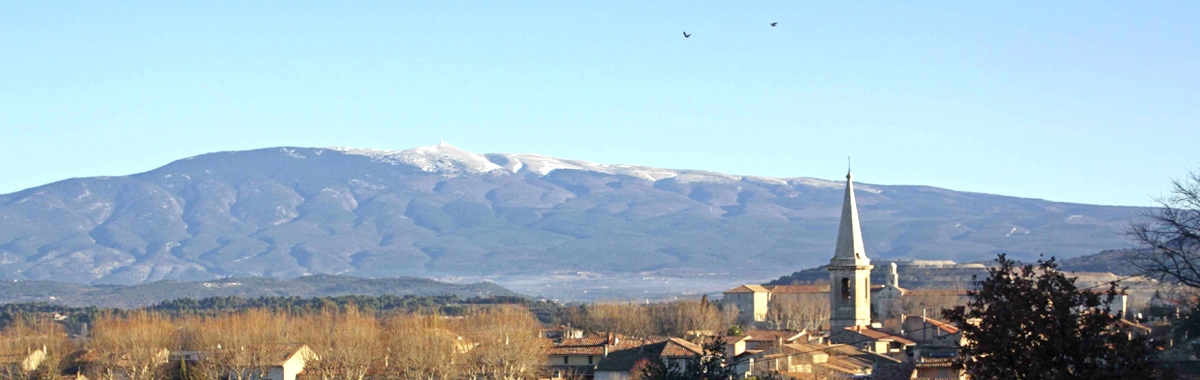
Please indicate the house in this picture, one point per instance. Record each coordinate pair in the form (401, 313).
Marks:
(875, 340)
(846, 361)
(291, 361)
(627, 363)
(937, 346)
(560, 332)
(677, 352)
(22, 362)
(87, 362)
(787, 358)
(461, 345)
(579, 356)
(750, 300)
(930, 332)
(758, 340)
(627, 360)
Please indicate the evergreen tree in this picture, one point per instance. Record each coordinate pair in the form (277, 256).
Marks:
(1035, 323)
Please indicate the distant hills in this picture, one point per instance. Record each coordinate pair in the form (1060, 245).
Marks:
(127, 296)
(1090, 270)
(444, 211)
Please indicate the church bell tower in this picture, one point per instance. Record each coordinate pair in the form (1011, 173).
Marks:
(849, 270)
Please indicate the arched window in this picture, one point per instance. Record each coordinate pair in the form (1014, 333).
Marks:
(845, 288)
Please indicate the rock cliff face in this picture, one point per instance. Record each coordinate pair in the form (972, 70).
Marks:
(443, 211)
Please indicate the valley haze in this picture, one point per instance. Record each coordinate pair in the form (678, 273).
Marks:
(537, 225)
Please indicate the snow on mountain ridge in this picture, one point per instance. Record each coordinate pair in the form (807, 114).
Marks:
(451, 160)
(441, 158)
(543, 165)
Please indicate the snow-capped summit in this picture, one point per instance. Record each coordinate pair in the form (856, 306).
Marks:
(450, 160)
(441, 158)
(542, 165)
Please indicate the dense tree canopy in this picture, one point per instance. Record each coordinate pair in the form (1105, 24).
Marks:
(1035, 323)
(77, 317)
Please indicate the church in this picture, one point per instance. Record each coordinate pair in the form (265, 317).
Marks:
(853, 301)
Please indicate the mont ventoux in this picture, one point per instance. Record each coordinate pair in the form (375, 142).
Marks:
(444, 211)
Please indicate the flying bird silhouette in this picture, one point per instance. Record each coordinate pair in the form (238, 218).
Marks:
(773, 24)
(685, 35)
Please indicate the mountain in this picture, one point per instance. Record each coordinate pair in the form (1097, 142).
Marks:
(127, 296)
(1114, 261)
(444, 211)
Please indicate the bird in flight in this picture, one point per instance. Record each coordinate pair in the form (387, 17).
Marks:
(773, 24)
(685, 35)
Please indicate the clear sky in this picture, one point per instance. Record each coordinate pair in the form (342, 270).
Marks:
(1078, 101)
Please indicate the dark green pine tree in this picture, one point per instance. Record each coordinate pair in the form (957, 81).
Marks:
(1035, 323)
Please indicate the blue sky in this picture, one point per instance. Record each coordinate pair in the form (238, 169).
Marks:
(1081, 102)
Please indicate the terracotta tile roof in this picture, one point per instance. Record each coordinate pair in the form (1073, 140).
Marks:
(624, 360)
(284, 352)
(771, 335)
(940, 325)
(800, 351)
(731, 339)
(799, 289)
(576, 346)
(748, 289)
(809, 289)
(589, 345)
(938, 292)
(679, 348)
(847, 359)
(880, 335)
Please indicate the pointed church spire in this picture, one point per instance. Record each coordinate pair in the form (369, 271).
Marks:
(849, 249)
(849, 270)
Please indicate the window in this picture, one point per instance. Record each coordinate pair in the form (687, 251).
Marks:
(565, 359)
(589, 360)
(845, 288)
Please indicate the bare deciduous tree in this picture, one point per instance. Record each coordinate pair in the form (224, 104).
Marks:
(931, 302)
(422, 347)
(628, 319)
(133, 347)
(347, 344)
(1170, 236)
(508, 344)
(33, 349)
(679, 318)
(799, 311)
(239, 346)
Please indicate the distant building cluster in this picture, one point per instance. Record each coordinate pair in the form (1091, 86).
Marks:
(882, 319)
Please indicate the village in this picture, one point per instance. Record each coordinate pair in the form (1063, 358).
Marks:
(845, 328)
